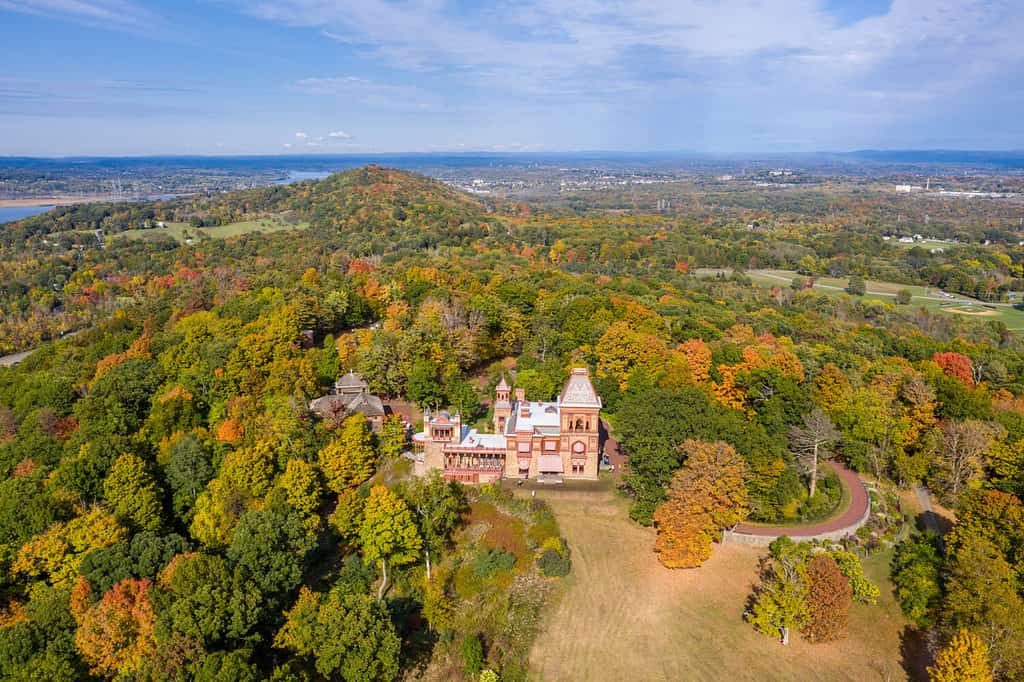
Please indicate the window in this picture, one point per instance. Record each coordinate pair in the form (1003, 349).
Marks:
(524, 447)
(550, 445)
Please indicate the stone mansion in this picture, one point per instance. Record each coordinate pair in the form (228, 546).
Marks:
(529, 439)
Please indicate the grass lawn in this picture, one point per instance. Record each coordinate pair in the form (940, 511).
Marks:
(183, 231)
(625, 617)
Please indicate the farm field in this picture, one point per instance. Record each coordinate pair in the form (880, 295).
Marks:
(929, 297)
(624, 616)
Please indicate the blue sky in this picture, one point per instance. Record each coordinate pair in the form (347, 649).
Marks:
(332, 76)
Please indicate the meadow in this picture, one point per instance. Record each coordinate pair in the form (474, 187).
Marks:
(625, 616)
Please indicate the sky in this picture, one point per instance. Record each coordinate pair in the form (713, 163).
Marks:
(134, 77)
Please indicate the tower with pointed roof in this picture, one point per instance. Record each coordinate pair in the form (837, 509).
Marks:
(502, 405)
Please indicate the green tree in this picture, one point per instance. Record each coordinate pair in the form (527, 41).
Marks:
(856, 286)
(438, 505)
(916, 573)
(204, 598)
(903, 297)
(269, 546)
(189, 469)
(780, 601)
(472, 654)
(349, 636)
(133, 493)
(388, 533)
(142, 557)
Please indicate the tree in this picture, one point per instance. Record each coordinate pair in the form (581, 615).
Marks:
(964, 659)
(438, 505)
(392, 438)
(350, 636)
(708, 494)
(202, 597)
(189, 469)
(133, 493)
(116, 634)
(143, 557)
(903, 297)
(958, 447)
(956, 365)
(811, 442)
(916, 573)
(982, 597)
(269, 546)
(57, 552)
(856, 286)
(780, 601)
(828, 600)
(388, 533)
(349, 459)
(347, 518)
(302, 487)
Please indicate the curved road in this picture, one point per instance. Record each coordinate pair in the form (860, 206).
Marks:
(859, 505)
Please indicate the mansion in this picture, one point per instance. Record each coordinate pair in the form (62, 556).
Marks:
(529, 439)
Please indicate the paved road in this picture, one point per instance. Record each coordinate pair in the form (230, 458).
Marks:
(15, 358)
(859, 505)
(924, 498)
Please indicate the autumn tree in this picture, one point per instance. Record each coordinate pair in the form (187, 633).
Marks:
(828, 600)
(964, 659)
(392, 439)
(956, 365)
(981, 596)
(116, 634)
(388, 534)
(350, 458)
(133, 493)
(706, 495)
(303, 489)
(811, 443)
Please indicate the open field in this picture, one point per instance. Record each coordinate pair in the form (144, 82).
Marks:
(625, 617)
(183, 231)
(929, 297)
(57, 200)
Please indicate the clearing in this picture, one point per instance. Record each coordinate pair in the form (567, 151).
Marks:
(184, 231)
(625, 617)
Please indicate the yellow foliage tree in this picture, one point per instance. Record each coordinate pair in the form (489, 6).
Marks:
(56, 553)
(964, 659)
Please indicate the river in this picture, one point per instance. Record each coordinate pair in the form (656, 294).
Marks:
(8, 214)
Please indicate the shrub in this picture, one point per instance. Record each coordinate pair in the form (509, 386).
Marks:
(553, 564)
(472, 654)
(487, 562)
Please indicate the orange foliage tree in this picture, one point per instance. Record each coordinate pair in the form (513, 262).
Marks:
(956, 365)
(115, 635)
(828, 600)
(706, 495)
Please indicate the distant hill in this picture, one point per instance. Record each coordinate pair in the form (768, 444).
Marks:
(370, 198)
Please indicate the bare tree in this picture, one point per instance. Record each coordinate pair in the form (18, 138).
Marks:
(811, 442)
(958, 447)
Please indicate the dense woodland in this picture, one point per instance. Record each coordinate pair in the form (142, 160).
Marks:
(171, 510)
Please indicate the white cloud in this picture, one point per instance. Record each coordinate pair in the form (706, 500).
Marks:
(340, 134)
(113, 13)
(301, 135)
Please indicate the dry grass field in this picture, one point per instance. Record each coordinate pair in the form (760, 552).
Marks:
(624, 617)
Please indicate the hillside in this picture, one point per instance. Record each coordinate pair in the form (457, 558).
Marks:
(371, 198)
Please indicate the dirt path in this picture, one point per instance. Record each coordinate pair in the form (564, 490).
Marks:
(855, 511)
(625, 617)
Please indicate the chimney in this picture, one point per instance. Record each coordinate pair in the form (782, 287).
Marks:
(520, 394)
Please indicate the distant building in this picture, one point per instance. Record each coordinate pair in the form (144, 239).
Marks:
(350, 395)
(558, 439)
